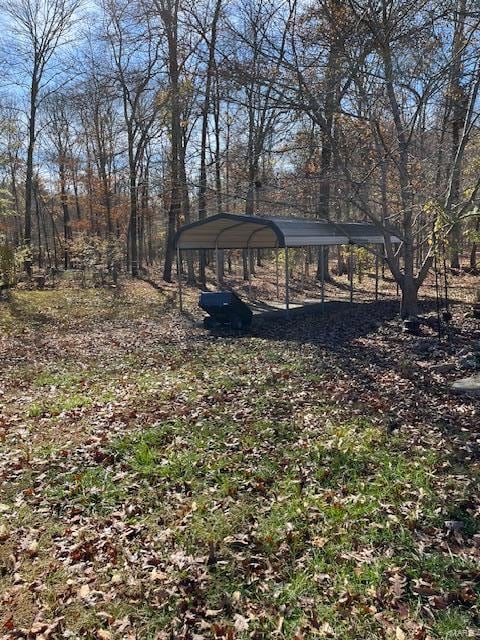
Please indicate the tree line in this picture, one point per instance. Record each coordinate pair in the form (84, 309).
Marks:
(122, 119)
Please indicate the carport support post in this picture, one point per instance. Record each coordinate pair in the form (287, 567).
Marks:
(276, 272)
(249, 264)
(376, 276)
(217, 266)
(350, 271)
(303, 271)
(179, 277)
(287, 296)
(322, 273)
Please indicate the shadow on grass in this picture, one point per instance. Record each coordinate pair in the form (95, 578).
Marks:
(24, 312)
(334, 323)
(364, 342)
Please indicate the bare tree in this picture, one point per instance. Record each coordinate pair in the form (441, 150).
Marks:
(387, 85)
(136, 54)
(209, 36)
(461, 96)
(58, 127)
(12, 144)
(40, 28)
(168, 11)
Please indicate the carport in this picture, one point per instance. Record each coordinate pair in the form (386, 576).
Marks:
(233, 231)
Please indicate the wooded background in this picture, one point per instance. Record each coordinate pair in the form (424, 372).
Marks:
(122, 119)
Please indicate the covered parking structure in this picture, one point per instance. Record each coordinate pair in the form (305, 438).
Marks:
(234, 231)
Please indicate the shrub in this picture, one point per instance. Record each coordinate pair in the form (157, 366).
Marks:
(96, 258)
(7, 267)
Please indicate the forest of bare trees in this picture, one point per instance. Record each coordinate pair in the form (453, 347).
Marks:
(122, 119)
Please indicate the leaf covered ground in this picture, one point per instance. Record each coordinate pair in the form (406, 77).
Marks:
(314, 478)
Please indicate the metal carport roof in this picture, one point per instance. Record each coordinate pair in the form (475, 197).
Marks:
(232, 231)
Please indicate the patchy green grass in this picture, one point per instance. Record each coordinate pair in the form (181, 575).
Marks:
(159, 482)
(62, 403)
(94, 489)
(75, 307)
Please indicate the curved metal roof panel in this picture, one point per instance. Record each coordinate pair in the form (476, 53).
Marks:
(232, 231)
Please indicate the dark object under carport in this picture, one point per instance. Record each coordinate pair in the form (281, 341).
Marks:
(225, 307)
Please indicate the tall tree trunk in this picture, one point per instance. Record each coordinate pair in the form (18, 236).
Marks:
(39, 232)
(45, 235)
(144, 198)
(75, 191)
(249, 265)
(169, 15)
(409, 300)
(473, 257)
(323, 206)
(227, 162)
(407, 281)
(202, 188)
(459, 111)
(173, 215)
(18, 228)
(133, 225)
(186, 208)
(56, 240)
(27, 235)
(473, 251)
(218, 134)
(66, 216)
(218, 171)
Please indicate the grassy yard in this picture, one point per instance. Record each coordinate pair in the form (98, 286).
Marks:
(310, 479)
